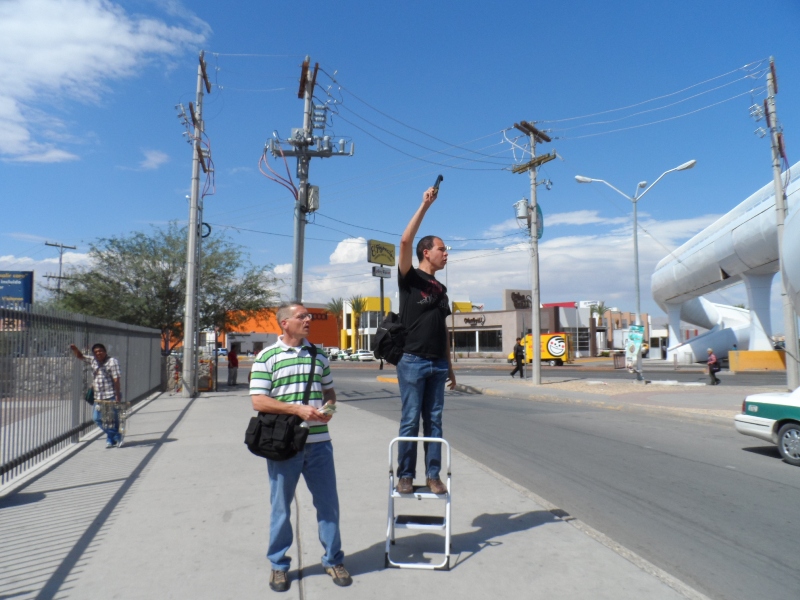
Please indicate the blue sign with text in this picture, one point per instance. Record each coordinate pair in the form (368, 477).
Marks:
(16, 286)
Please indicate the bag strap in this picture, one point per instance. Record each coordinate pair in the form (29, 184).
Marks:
(312, 350)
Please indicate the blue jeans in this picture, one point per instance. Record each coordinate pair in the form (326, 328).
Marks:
(315, 463)
(422, 392)
(112, 433)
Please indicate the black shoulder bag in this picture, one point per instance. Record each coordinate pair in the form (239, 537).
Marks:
(280, 437)
(390, 340)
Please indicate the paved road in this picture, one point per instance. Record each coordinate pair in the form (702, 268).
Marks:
(713, 508)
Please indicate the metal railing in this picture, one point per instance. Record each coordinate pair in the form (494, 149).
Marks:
(42, 384)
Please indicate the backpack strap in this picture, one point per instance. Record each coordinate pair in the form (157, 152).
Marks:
(312, 350)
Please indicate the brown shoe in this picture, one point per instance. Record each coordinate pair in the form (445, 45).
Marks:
(278, 581)
(405, 485)
(436, 486)
(340, 575)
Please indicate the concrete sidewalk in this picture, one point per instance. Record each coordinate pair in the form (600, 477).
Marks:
(182, 511)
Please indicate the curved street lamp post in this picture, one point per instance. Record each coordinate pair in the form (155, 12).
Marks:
(635, 199)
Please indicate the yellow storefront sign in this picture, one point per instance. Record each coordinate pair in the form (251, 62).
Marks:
(380, 253)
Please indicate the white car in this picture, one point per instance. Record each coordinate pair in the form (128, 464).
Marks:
(362, 355)
(773, 417)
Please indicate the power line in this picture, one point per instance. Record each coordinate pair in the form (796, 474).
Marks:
(388, 116)
(750, 66)
(657, 108)
(588, 135)
(377, 139)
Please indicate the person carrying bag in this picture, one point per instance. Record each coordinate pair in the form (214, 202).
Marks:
(279, 437)
(291, 431)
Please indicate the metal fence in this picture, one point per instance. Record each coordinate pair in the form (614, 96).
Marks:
(42, 384)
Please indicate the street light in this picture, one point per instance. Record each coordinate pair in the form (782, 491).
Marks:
(635, 199)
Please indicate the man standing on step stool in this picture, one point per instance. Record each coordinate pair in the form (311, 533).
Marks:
(425, 365)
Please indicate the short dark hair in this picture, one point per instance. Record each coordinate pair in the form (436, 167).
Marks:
(100, 346)
(425, 243)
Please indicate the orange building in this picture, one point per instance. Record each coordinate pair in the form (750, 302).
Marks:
(262, 330)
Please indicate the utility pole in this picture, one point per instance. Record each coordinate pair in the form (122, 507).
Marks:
(190, 334)
(61, 247)
(778, 150)
(534, 135)
(314, 117)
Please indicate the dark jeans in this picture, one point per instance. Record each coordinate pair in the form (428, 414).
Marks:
(712, 376)
(520, 368)
(422, 392)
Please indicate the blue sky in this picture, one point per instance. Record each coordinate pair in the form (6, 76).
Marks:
(91, 146)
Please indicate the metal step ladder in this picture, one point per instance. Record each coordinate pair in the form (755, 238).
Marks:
(418, 522)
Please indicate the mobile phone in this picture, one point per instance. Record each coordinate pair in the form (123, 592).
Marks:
(439, 180)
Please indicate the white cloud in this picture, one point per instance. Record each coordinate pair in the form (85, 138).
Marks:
(56, 49)
(153, 159)
(507, 226)
(284, 269)
(351, 250)
(582, 217)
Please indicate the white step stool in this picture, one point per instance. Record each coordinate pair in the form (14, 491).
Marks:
(423, 522)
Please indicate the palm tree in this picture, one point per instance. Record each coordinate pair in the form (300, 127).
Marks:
(599, 309)
(357, 304)
(336, 307)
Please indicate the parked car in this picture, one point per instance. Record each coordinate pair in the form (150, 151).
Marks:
(773, 417)
(362, 355)
(332, 352)
(221, 351)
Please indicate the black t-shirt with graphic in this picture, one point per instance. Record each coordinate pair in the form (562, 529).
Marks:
(424, 308)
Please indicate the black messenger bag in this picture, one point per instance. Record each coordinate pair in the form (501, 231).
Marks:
(280, 437)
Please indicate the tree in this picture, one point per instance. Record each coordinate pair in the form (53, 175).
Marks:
(336, 307)
(357, 304)
(140, 279)
(599, 309)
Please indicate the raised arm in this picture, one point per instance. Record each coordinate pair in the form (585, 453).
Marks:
(407, 240)
(78, 354)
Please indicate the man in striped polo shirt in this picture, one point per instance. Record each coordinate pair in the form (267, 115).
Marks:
(278, 379)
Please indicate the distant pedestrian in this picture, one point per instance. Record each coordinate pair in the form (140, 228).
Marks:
(519, 357)
(106, 384)
(713, 367)
(233, 367)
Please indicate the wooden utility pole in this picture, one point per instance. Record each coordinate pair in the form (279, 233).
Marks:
(61, 247)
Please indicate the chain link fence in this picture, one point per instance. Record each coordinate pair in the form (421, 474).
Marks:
(43, 385)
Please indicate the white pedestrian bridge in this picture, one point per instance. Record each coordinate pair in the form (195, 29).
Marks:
(741, 246)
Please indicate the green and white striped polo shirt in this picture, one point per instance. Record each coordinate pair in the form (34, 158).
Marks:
(281, 372)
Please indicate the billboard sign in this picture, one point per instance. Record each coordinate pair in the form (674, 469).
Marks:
(380, 253)
(382, 272)
(16, 286)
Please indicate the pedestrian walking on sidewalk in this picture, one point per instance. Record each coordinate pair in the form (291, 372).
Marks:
(425, 366)
(713, 367)
(233, 367)
(106, 385)
(519, 358)
(278, 378)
